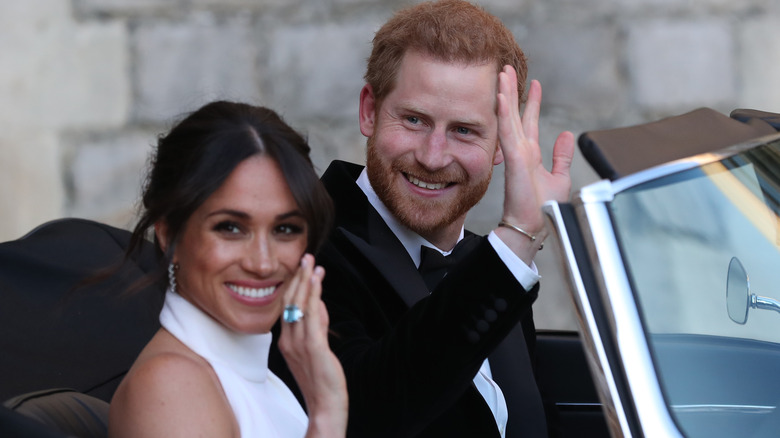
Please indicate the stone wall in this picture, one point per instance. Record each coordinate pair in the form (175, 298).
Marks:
(86, 85)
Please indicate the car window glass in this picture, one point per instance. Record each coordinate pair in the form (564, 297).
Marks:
(678, 236)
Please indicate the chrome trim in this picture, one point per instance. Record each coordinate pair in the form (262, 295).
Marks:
(596, 356)
(727, 409)
(765, 303)
(625, 326)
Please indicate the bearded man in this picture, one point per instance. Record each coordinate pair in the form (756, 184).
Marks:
(427, 356)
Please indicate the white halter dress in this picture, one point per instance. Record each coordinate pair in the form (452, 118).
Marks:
(261, 402)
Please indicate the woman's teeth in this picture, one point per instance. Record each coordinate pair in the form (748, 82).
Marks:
(251, 292)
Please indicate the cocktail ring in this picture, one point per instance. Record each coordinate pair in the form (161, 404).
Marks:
(292, 313)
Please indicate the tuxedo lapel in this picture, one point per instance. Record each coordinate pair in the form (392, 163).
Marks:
(397, 269)
(370, 235)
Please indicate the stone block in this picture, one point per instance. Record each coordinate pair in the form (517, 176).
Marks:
(759, 64)
(330, 142)
(31, 179)
(98, 90)
(649, 5)
(576, 66)
(671, 8)
(106, 174)
(58, 73)
(243, 4)
(556, 10)
(317, 70)
(373, 3)
(681, 64)
(183, 64)
(124, 7)
(504, 9)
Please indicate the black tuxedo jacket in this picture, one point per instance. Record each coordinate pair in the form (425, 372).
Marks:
(409, 355)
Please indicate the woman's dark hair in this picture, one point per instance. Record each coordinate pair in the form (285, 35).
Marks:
(200, 152)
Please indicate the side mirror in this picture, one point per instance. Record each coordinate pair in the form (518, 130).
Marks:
(738, 297)
(737, 292)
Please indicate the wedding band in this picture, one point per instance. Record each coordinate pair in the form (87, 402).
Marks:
(292, 313)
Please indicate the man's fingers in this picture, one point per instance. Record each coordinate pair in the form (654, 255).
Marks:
(510, 127)
(563, 153)
(531, 111)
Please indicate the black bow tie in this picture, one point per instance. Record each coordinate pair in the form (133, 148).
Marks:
(434, 265)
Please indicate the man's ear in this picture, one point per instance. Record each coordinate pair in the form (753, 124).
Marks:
(161, 232)
(367, 113)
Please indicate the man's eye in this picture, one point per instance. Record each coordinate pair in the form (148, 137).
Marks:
(462, 131)
(413, 120)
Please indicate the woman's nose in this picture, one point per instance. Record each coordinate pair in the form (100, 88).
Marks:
(261, 258)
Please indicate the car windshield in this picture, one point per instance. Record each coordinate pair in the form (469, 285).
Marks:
(684, 238)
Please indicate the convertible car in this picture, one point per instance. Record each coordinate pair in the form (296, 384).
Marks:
(674, 261)
(671, 259)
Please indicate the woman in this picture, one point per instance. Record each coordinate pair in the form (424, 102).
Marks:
(234, 203)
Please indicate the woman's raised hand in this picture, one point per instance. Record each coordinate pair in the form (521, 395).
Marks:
(304, 344)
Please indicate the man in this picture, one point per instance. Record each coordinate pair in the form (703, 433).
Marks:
(440, 108)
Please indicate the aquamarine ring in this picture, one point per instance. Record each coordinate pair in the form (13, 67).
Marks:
(292, 313)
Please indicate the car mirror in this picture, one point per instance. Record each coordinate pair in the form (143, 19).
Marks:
(738, 297)
(737, 292)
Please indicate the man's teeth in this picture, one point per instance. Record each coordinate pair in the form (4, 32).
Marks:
(425, 185)
(251, 292)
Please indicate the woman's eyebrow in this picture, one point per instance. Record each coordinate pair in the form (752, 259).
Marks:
(229, 212)
(244, 215)
(289, 214)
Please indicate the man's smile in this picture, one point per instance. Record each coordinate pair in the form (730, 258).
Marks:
(425, 185)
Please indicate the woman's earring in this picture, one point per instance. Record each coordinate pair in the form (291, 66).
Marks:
(172, 268)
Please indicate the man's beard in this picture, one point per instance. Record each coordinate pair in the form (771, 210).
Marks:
(423, 216)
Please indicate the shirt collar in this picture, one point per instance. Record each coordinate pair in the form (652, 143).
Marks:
(409, 239)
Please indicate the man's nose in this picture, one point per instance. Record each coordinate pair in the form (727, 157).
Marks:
(433, 154)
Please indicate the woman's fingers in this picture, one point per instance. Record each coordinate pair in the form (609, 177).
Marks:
(304, 345)
(297, 293)
(314, 317)
(306, 338)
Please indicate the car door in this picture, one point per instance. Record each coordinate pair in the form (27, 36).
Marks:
(675, 272)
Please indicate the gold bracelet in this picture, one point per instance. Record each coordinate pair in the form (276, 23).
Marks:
(521, 231)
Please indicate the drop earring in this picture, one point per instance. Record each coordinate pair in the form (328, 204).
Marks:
(172, 268)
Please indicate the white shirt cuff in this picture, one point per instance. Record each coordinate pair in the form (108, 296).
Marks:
(526, 275)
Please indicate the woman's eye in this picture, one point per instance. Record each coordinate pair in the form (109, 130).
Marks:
(228, 227)
(288, 229)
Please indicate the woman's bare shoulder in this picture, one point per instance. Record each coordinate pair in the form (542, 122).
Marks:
(170, 391)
